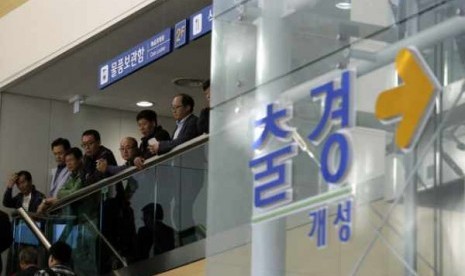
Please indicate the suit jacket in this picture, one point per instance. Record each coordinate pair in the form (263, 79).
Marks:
(6, 236)
(203, 121)
(160, 134)
(58, 180)
(91, 175)
(188, 132)
(17, 201)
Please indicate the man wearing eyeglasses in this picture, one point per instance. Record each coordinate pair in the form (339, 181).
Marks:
(182, 108)
(94, 152)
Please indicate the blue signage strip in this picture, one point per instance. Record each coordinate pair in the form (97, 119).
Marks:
(200, 23)
(135, 58)
(180, 34)
(156, 47)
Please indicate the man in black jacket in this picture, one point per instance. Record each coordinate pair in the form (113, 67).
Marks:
(58, 261)
(28, 197)
(182, 107)
(6, 236)
(93, 153)
(149, 128)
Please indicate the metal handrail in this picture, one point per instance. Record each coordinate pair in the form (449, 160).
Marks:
(34, 228)
(107, 182)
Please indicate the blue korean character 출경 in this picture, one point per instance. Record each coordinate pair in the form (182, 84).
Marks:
(274, 124)
(319, 226)
(344, 220)
(337, 106)
(271, 180)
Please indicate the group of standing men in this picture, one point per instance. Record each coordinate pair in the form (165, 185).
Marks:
(75, 170)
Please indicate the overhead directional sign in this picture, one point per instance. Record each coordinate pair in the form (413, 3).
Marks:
(135, 58)
(180, 34)
(155, 47)
(200, 23)
(411, 103)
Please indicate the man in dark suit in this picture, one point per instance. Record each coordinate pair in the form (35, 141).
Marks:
(6, 236)
(94, 152)
(182, 107)
(28, 197)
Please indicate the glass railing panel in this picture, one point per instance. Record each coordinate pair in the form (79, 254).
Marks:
(137, 214)
(180, 194)
(93, 227)
(23, 237)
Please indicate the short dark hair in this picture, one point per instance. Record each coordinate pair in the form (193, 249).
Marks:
(92, 132)
(27, 175)
(186, 100)
(28, 255)
(206, 85)
(61, 252)
(148, 115)
(76, 152)
(61, 142)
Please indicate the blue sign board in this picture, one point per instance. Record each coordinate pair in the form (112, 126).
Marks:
(135, 58)
(200, 23)
(156, 47)
(180, 34)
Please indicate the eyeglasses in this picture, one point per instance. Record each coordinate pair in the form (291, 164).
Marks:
(175, 107)
(88, 144)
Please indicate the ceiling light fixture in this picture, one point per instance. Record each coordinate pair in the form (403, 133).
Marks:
(344, 5)
(144, 104)
(188, 82)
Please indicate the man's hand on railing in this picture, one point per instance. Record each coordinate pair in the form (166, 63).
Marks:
(153, 146)
(102, 165)
(46, 203)
(139, 162)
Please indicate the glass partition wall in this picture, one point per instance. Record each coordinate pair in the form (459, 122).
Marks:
(397, 212)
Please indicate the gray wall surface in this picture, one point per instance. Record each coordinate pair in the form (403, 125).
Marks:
(28, 125)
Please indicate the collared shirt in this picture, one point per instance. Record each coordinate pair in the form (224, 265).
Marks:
(26, 201)
(179, 125)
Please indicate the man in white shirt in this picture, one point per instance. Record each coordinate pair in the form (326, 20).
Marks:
(182, 108)
(60, 174)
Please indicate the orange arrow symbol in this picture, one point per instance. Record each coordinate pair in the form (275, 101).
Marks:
(411, 103)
